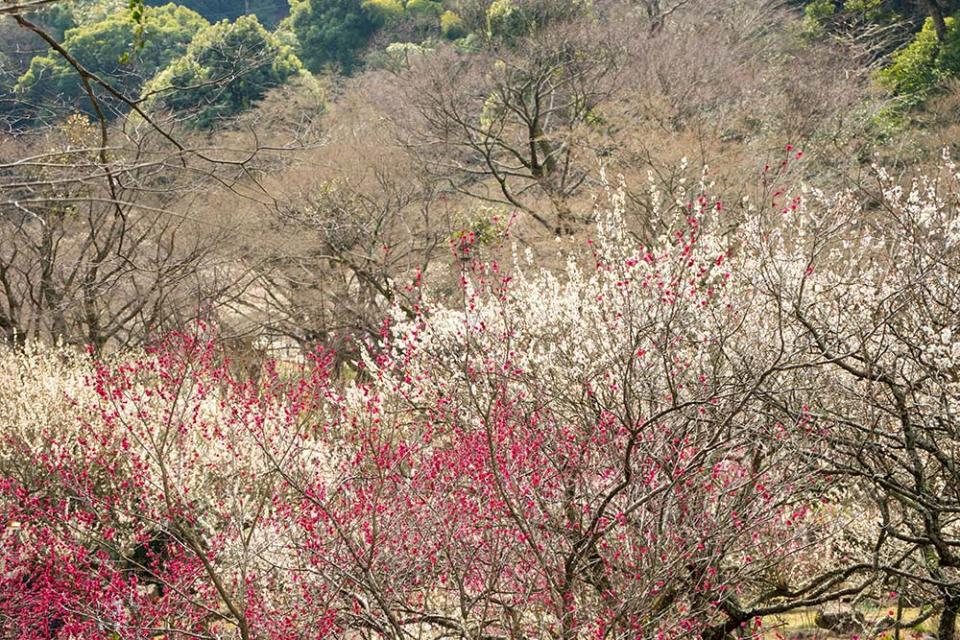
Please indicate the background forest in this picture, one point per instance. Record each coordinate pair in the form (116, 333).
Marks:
(285, 168)
(479, 319)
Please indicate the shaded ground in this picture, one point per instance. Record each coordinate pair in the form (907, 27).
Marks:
(801, 625)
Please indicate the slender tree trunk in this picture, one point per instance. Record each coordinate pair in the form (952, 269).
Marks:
(49, 302)
(947, 629)
(896, 629)
(933, 9)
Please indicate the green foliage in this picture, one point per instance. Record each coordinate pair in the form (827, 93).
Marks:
(386, 11)
(406, 20)
(470, 43)
(398, 55)
(332, 32)
(483, 226)
(820, 10)
(268, 12)
(424, 8)
(872, 10)
(59, 17)
(452, 26)
(225, 70)
(511, 19)
(506, 19)
(125, 49)
(845, 16)
(924, 64)
(816, 16)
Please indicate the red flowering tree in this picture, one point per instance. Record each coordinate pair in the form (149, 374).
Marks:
(154, 514)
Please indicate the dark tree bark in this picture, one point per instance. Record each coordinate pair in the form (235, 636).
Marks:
(935, 11)
(947, 628)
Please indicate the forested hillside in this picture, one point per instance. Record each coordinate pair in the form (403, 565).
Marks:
(479, 319)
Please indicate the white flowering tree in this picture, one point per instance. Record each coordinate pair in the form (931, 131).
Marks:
(872, 287)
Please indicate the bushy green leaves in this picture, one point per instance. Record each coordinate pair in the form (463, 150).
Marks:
(823, 16)
(226, 69)
(424, 7)
(332, 32)
(126, 48)
(386, 11)
(511, 19)
(452, 26)
(921, 66)
(268, 12)
(507, 19)
(59, 17)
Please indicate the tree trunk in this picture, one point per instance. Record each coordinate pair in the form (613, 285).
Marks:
(947, 629)
(932, 7)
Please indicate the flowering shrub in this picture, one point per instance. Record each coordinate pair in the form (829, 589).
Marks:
(666, 440)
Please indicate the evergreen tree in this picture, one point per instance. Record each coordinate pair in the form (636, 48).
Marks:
(113, 49)
(332, 32)
(226, 69)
